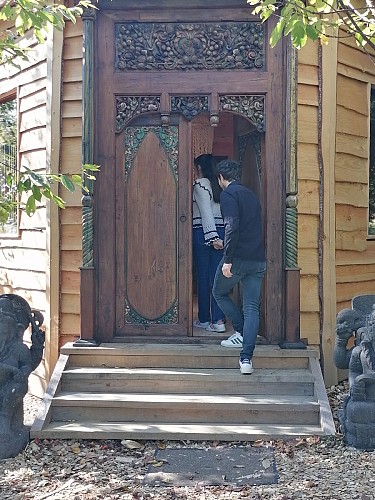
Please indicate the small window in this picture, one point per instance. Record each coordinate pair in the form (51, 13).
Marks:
(8, 161)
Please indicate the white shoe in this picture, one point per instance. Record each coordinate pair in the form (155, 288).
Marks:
(246, 366)
(234, 340)
(198, 324)
(216, 327)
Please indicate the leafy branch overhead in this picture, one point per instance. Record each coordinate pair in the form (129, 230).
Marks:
(34, 186)
(37, 15)
(319, 19)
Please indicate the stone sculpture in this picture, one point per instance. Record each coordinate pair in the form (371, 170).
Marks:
(17, 361)
(357, 418)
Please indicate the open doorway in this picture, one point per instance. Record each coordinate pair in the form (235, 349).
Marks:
(236, 138)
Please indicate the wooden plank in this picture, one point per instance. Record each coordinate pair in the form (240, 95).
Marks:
(70, 303)
(35, 160)
(308, 192)
(354, 240)
(71, 199)
(308, 261)
(365, 257)
(308, 94)
(70, 282)
(355, 74)
(36, 117)
(71, 154)
(36, 55)
(353, 94)
(307, 75)
(307, 124)
(72, 91)
(353, 194)
(351, 122)
(355, 58)
(346, 291)
(356, 273)
(308, 231)
(309, 294)
(29, 239)
(21, 279)
(308, 54)
(71, 260)
(307, 161)
(73, 29)
(310, 327)
(71, 237)
(73, 70)
(37, 221)
(32, 139)
(31, 88)
(351, 144)
(23, 259)
(72, 127)
(33, 101)
(70, 324)
(28, 76)
(71, 215)
(326, 420)
(72, 109)
(349, 218)
(73, 48)
(351, 168)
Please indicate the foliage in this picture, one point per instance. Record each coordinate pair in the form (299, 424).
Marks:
(34, 186)
(318, 19)
(37, 15)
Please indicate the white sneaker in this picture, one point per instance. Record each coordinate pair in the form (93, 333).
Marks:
(234, 340)
(216, 327)
(246, 366)
(198, 324)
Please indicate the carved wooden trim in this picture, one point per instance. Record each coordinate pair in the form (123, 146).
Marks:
(251, 106)
(189, 106)
(190, 46)
(128, 107)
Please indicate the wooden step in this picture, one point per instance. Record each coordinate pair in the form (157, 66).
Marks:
(171, 431)
(184, 408)
(187, 391)
(186, 356)
(192, 381)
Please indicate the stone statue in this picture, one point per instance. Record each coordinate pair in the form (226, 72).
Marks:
(357, 417)
(17, 361)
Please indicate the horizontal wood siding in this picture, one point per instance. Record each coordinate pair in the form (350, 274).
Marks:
(71, 161)
(355, 255)
(23, 259)
(308, 190)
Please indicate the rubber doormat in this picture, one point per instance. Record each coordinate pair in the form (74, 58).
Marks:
(212, 466)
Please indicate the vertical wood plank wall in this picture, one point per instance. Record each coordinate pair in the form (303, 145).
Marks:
(355, 254)
(308, 190)
(71, 160)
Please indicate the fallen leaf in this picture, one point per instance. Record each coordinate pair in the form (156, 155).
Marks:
(131, 445)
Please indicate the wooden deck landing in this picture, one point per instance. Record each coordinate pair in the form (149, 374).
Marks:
(183, 391)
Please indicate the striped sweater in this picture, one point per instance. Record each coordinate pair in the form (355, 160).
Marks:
(206, 213)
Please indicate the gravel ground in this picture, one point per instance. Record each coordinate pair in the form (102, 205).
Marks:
(310, 468)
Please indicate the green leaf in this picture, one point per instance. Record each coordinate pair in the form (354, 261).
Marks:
(298, 34)
(30, 205)
(36, 192)
(67, 183)
(277, 32)
(312, 33)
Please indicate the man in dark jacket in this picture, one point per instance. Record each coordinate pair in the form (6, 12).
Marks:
(243, 261)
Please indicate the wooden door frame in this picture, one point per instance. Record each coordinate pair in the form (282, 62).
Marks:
(96, 306)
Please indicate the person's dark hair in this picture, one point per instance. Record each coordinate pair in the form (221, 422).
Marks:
(229, 169)
(208, 166)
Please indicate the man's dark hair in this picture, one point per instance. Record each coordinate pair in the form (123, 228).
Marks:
(229, 169)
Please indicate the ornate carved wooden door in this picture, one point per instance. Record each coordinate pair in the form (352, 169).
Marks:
(153, 230)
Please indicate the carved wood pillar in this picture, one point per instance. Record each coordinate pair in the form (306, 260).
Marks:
(292, 338)
(88, 291)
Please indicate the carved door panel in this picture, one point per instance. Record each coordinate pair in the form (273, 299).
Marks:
(153, 230)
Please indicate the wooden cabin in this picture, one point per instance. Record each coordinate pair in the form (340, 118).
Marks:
(141, 91)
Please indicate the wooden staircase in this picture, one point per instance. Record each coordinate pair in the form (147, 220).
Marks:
(183, 391)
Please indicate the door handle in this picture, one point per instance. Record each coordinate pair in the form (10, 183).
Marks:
(183, 218)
